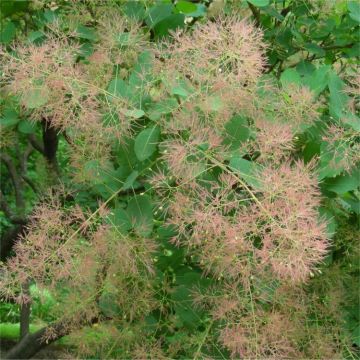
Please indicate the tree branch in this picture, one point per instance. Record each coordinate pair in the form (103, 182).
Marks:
(50, 140)
(256, 14)
(15, 219)
(24, 159)
(25, 311)
(17, 181)
(31, 344)
(36, 143)
(335, 47)
(9, 238)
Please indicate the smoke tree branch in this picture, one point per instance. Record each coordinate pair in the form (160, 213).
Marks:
(25, 311)
(51, 141)
(19, 177)
(4, 206)
(24, 159)
(9, 238)
(36, 143)
(256, 13)
(17, 182)
(30, 344)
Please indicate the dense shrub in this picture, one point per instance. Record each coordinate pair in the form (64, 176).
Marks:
(190, 197)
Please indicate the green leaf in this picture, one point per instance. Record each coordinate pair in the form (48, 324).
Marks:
(259, 3)
(354, 9)
(185, 7)
(183, 88)
(338, 99)
(351, 202)
(305, 68)
(329, 158)
(353, 51)
(7, 33)
(144, 63)
(146, 142)
(331, 224)
(134, 9)
(290, 76)
(139, 78)
(355, 336)
(311, 149)
(86, 33)
(200, 11)
(118, 88)
(180, 91)
(135, 113)
(162, 108)
(188, 280)
(9, 118)
(343, 183)
(158, 13)
(9, 7)
(26, 127)
(36, 36)
(129, 182)
(140, 213)
(119, 218)
(86, 49)
(126, 156)
(50, 16)
(273, 12)
(318, 79)
(351, 120)
(247, 170)
(314, 49)
(237, 131)
(171, 22)
(108, 304)
(141, 73)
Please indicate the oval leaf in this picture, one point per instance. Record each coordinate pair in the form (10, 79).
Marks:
(146, 143)
(10, 118)
(26, 127)
(259, 3)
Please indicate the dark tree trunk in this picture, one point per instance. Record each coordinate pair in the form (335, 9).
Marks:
(51, 141)
(25, 312)
(31, 344)
(8, 240)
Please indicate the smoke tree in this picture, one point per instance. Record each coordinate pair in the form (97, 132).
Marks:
(181, 210)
